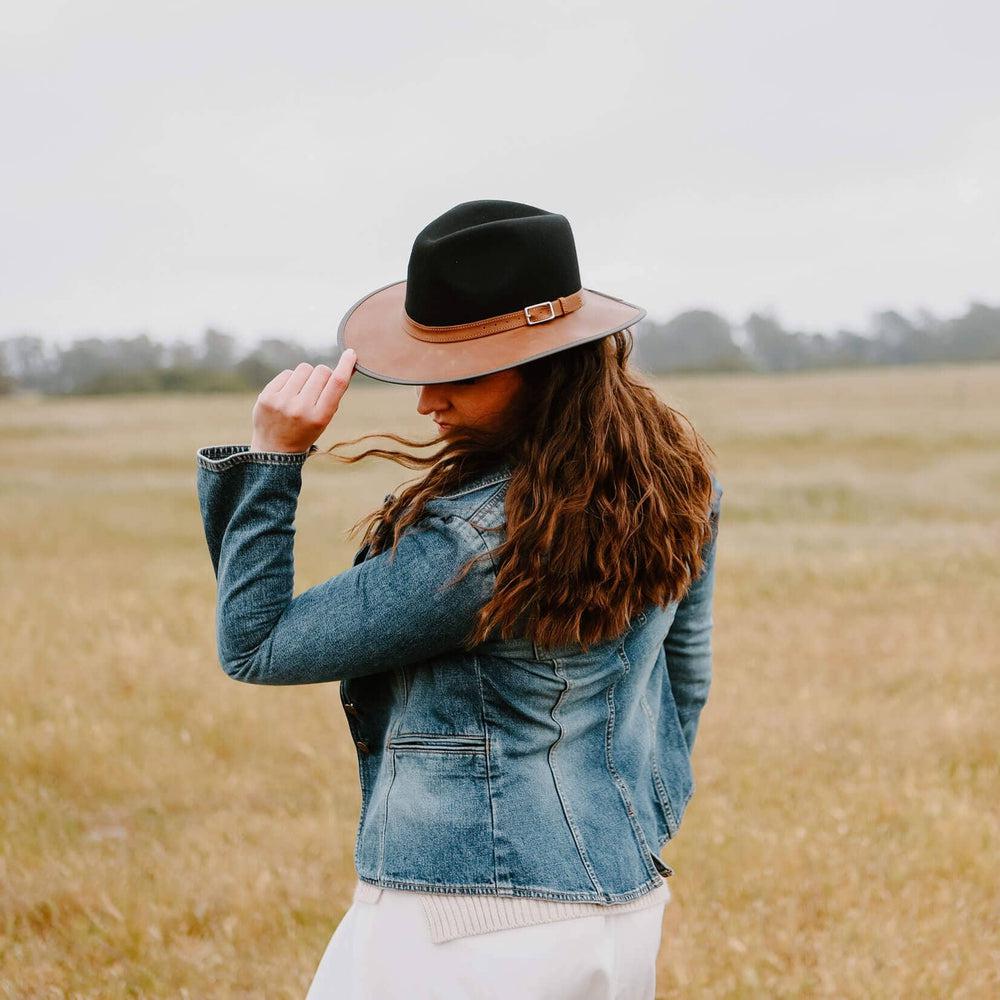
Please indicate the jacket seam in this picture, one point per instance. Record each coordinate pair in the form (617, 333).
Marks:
(661, 791)
(365, 791)
(385, 813)
(489, 768)
(391, 753)
(567, 812)
(609, 757)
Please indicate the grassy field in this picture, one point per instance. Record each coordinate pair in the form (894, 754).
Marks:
(169, 832)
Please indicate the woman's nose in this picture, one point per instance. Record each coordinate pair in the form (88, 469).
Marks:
(430, 400)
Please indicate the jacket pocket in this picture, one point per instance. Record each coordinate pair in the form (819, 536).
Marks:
(439, 742)
(438, 826)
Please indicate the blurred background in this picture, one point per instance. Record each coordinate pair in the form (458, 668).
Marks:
(805, 200)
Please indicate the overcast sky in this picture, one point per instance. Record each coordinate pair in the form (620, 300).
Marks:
(259, 167)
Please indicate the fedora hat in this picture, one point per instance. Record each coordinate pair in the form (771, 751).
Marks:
(489, 285)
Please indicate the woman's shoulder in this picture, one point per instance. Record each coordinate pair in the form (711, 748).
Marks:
(479, 500)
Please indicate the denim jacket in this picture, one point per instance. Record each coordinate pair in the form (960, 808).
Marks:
(510, 770)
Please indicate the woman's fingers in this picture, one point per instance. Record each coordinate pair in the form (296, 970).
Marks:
(296, 381)
(278, 382)
(320, 378)
(294, 408)
(333, 388)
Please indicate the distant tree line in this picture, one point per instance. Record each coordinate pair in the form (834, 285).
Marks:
(698, 340)
(107, 365)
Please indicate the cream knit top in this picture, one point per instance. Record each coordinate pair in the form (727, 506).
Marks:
(456, 915)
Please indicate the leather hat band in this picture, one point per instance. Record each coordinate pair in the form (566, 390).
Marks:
(532, 315)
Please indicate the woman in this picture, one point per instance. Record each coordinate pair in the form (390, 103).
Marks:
(523, 642)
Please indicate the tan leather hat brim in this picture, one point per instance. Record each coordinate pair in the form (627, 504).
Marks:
(374, 328)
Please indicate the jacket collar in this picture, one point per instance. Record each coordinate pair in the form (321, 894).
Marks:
(489, 477)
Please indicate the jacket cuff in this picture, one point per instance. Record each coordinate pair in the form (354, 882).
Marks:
(218, 458)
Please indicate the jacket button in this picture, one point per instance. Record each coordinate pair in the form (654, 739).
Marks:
(351, 709)
(362, 746)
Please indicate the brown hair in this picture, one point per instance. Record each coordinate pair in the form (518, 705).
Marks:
(607, 508)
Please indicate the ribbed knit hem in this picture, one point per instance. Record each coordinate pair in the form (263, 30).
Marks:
(451, 915)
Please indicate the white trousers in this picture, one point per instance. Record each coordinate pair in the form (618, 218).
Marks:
(383, 951)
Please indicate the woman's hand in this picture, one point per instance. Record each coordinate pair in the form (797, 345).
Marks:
(293, 409)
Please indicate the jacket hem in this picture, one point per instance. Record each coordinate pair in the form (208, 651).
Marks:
(515, 892)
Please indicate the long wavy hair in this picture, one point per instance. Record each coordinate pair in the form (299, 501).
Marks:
(607, 508)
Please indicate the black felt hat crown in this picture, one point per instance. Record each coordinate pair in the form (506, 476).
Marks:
(488, 258)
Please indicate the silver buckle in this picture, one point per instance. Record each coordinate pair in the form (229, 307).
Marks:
(544, 319)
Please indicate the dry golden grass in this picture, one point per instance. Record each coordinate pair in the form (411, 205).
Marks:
(168, 832)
